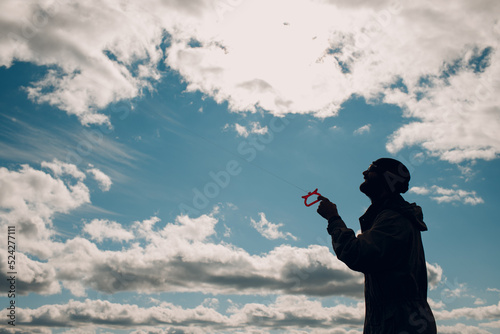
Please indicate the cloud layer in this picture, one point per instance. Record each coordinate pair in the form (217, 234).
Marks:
(181, 257)
(437, 61)
(284, 313)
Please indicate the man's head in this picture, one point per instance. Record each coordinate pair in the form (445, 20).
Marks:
(385, 176)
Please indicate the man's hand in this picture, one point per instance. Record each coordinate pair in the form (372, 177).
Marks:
(326, 208)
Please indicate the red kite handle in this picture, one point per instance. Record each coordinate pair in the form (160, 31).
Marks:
(315, 192)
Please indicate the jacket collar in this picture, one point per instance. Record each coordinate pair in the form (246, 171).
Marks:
(367, 219)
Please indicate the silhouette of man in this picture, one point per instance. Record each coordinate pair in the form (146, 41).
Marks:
(388, 252)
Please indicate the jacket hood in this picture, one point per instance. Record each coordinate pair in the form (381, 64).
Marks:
(411, 211)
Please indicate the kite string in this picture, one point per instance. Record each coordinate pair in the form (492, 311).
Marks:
(240, 157)
(276, 176)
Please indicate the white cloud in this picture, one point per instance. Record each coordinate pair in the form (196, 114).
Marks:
(479, 301)
(102, 179)
(242, 131)
(255, 128)
(461, 329)
(249, 69)
(420, 190)
(364, 49)
(211, 303)
(454, 290)
(457, 117)
(32, 197)
(436, 305)
(60, 168)
(258, 129)
(90, 49)
(362, 130)
(444, 195)
(491, 324)
(434, 275)
(37, 277)
(299, 311)
(100, 229)
(227, 231)
(491, 312)
(270, 230)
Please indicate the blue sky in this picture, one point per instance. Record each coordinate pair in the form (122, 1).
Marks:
(153, 159)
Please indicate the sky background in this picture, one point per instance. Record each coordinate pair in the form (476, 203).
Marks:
(153, 156)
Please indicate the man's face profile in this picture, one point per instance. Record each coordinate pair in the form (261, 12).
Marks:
(373, 183)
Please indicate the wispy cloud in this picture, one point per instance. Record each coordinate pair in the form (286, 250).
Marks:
(270, 230)
(60, 168)
(102, 179)
(362, 130)
(32, 143)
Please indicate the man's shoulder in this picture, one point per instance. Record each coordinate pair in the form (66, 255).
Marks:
(410, 215)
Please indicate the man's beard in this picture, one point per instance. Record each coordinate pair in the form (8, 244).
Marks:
(365, 188)
(372, 187)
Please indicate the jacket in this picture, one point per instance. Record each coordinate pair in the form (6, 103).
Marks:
(389, 252)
